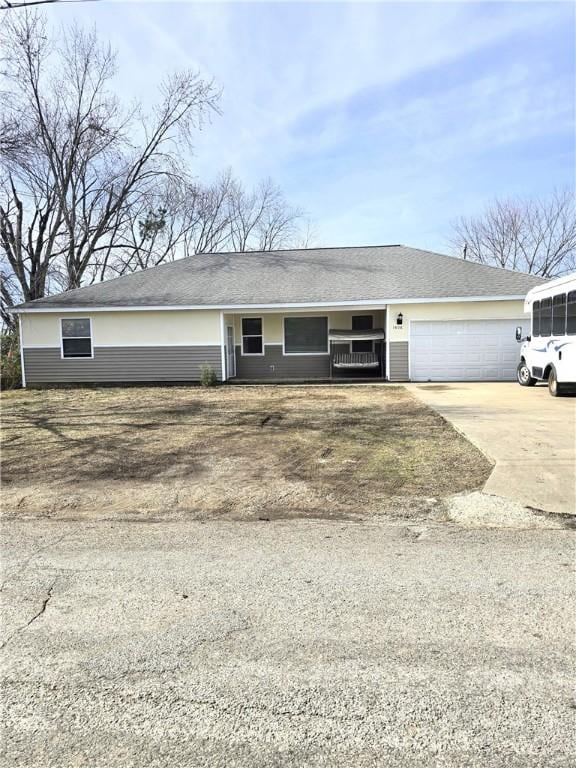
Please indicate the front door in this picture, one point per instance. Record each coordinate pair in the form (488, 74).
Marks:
(230, 353)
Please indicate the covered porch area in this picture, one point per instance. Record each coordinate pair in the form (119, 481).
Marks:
(308, 344)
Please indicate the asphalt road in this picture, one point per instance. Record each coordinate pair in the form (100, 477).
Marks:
(301, 643)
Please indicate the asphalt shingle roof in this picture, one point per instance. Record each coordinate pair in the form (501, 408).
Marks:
(371, 273)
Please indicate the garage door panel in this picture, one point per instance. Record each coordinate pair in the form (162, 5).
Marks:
(467, 350)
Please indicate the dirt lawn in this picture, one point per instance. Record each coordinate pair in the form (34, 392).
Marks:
(235, 452)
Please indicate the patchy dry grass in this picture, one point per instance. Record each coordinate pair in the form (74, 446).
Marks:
(233, 452)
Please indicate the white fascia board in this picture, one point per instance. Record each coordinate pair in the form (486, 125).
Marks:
(364, 303)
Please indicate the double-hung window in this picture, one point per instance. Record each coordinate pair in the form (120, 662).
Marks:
(306, 335)
(76, 337)
(362, 323)
(252, 341)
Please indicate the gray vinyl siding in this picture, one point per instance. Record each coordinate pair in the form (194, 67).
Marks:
(274, 365)
(399, 361)
(45, 365)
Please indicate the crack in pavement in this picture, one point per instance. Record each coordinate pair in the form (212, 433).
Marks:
(271, 711)
(178, 667)
(30, 557)
(36, 615)
(230, 708)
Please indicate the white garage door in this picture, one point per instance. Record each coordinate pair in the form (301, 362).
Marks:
(465, 350)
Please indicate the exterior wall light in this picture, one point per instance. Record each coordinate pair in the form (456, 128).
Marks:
(399, 319)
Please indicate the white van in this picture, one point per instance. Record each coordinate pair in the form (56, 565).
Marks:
(549, 352)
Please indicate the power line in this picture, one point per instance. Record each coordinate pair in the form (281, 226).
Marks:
(8, 5)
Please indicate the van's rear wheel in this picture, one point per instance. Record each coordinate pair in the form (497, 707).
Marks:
(523, 375)
(555, 389)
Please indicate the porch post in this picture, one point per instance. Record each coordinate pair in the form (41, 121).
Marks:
(223, 346)
(387, 341)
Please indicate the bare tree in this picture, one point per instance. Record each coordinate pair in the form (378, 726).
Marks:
(190, 218)
(181, 218)
(90, 189)
(261, 219)
(77, 166)
(534, 236)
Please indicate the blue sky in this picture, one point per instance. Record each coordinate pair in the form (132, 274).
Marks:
(384, 121)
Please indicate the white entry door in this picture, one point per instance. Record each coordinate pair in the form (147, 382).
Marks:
(464, 350)
(230, 353)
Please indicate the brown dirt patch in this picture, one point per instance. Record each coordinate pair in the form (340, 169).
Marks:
(240, 452)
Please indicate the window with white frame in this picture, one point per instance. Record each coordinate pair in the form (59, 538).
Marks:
(76, 337)
(305, 335)
(252, 341)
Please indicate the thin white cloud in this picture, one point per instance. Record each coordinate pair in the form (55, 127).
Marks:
(292, 76)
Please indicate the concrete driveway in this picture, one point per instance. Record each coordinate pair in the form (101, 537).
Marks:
(305, 644)
(529, 435)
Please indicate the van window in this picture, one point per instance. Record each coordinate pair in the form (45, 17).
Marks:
(546, 317)
(559, 315)
(571, 314)
(536, 318)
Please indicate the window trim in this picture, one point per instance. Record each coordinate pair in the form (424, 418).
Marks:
(305, 354)
(252, 336)
(91, 337)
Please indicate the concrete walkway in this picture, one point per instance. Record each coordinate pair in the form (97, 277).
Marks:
(530, 436)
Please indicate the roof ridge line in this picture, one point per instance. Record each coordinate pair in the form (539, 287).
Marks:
(308, 248)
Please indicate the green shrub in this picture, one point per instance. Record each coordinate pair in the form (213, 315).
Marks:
(10, 370)
(208, 376)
